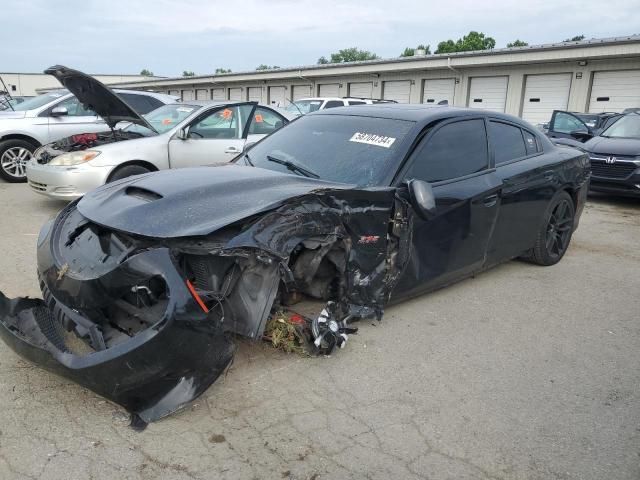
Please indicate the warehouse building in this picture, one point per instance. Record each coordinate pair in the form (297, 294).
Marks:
(591, 75)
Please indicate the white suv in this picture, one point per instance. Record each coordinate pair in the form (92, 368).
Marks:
(311, 104)
(52, 116)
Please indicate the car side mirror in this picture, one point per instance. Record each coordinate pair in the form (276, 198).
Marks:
(59, 112)
(183, 133)
(422, 198)
(580, 134)
(248, 145)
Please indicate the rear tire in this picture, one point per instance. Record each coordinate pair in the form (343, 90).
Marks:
(555, 232)
(14, 155)
(128, 171)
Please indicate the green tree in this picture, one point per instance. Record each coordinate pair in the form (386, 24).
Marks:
(188, 73)
(470, 42)
(262, 66)
(146, 73)
(222, 70)
(408, 52)
(448, 46)
(577, 38)
(517, 43)
(352, 54)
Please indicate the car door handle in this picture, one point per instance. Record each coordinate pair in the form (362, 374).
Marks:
(232, 150)
(491, 200)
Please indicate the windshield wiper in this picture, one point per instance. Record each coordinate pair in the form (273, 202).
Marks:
(246, 157)
(294, 167)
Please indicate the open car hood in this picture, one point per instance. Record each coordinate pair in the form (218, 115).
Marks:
(97, 97)
(193, 201)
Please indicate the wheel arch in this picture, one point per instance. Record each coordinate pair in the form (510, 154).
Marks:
(20, 136)
(128, 163)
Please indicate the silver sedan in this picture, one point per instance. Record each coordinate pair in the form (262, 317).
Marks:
(186, 135)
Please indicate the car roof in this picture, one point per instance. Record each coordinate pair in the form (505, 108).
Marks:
(413, 112)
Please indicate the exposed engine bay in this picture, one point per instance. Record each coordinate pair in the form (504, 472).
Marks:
(82, 141)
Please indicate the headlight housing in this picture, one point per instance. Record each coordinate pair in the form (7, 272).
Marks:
(74, 158)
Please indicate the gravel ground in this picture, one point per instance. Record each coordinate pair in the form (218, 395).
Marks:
(523, 372)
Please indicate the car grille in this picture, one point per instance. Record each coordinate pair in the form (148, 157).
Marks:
(39, 187)
(600, 168)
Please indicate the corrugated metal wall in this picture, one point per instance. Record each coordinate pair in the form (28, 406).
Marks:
(455, 85)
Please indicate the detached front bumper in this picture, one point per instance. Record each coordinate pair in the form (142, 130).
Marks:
(151, 358)
(65, 183)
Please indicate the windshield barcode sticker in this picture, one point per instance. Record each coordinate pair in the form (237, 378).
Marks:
(372, 139)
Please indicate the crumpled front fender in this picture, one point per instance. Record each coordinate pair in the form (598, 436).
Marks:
(151, 374)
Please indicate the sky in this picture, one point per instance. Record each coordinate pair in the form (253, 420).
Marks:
(170, 36)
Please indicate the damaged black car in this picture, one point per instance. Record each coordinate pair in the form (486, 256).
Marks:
(146, 281)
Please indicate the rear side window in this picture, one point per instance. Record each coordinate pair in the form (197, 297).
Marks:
(530, 143)
(356, 102)
(265, 122)
(453, 151)
(334, 103)
(508, 143)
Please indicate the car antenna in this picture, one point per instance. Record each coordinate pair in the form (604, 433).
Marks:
(7, 95)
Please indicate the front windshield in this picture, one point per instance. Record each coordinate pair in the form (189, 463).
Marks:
(340, 148)
(304, 106)
(626, 127)
(37, 102)
(164, 118)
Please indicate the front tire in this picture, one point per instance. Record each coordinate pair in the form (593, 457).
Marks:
(14, 155)
(127, 171)
(555, 232)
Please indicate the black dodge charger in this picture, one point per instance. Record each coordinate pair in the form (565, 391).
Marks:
(146, 280)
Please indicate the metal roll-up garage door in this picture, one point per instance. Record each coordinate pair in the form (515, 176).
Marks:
(614, 91)
(438, 90)
(543, 94)
(187, 95)
(301, 91)
(277, 96)
(235, 94)
(174, 92)
(202, 94)
(398, 90)
(218, 94)
(329, 90)
(489, 93)
(361, 89)
(254, 94)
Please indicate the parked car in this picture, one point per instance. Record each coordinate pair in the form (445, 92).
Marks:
(614, 155)
(308, 105)
(58, 114)
(578, 126)
(356, 206)
(197, 133)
